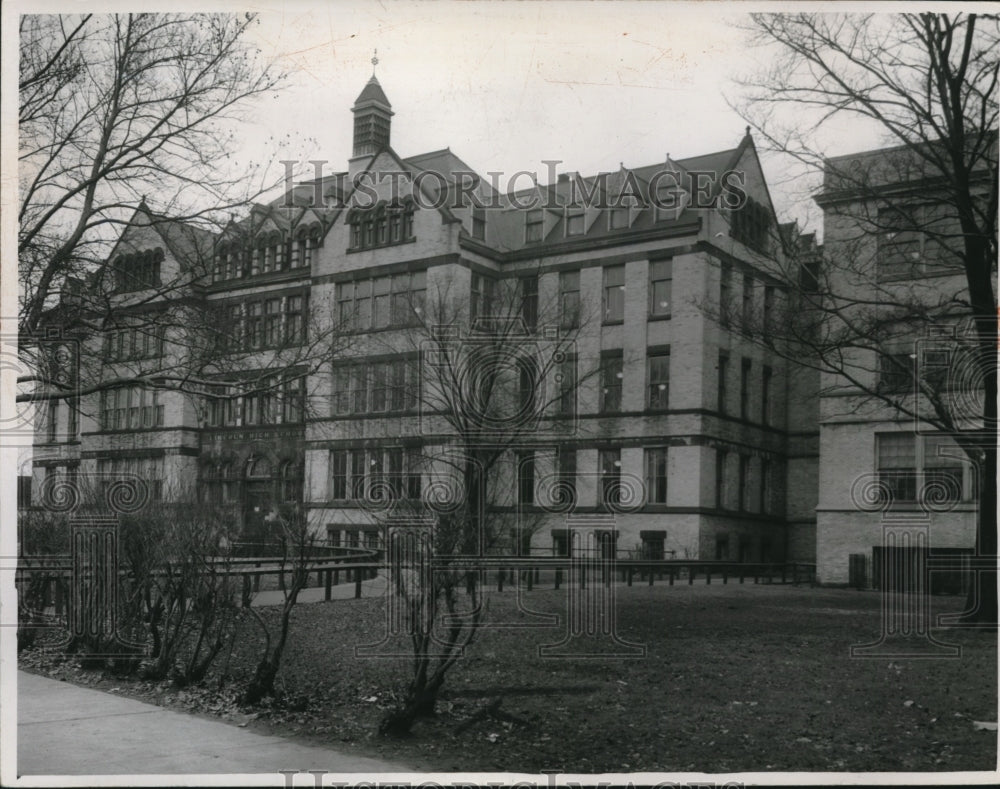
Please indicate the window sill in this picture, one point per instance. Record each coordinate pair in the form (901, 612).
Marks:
(617, 322)
(658, 317)
(387, 245)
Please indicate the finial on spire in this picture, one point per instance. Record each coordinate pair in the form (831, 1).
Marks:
(748, 131)
(374, 61)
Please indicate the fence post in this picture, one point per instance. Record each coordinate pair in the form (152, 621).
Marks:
(690, 575)
(357, 584)
(629, 574)
(708, 575)
(531, 576)
(558, 577)
(651, 575)
(327, 587)
(246, 591)
(670, 574)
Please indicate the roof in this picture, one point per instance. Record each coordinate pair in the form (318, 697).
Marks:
(372, 93)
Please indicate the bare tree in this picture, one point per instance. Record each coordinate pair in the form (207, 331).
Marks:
(493, 384)
(926, 207)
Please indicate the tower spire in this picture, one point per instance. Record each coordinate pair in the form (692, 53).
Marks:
(374, 61)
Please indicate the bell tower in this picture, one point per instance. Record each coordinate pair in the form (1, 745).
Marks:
(372, 114)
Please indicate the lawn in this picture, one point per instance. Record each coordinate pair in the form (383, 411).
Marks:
(734, 678)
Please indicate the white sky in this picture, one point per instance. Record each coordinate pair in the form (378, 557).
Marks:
(508, 84)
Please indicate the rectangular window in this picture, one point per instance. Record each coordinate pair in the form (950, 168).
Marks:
(526, 477)
(381, 302)
(766, 469)
(896, 372)
(272, 322)
(618, 217)
(72, 416)
(359, 471)
(255, 325)
(481, 301)
(721, 489)
(897, 465)
(611, 384)
(653, 544)
(479, 223)
(723, 381)
(725, 291)
(529, 301)
(943, 469)
(656, 475)
(614, 294)
(52, 427)
(569, 299)
(295, 320)
(380, 387)
(660, 287)
(292, 401)
(363, 304)
(765, 395)
(745, 367)
(743, 491)
(721, 547)
(611, 473)
(658, 376)
(418, 298)
(567, 387)
(338, 474)
(575, 220)
(566, 469)
(747, 302)
(768, 322)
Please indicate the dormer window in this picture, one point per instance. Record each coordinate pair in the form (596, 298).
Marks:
(575, 222)
(534, 226)
(618, 217)
(479, 224)
(138, 270)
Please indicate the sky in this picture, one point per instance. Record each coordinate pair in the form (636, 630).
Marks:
(507, 85)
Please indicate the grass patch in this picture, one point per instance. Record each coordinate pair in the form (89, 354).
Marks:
(735, 678)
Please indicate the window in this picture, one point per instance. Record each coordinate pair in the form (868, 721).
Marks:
(721, 547)
(566, 469)
(481, 301)
(291, 481)
(295, 320)
(72, 417)
(618, 217)
(723, 381)
(131, 408)
(382, 303)
(272, 322)
(912, 467)
(292, 400)
(721, 488)
(747, 302)
(896, 372)
(52, 420)
(375, 387)
(560, 542)
(611, 475)
(338, 474)
(135, 342)
(148, 469)
(380, 225)
(768, 322)
(751, 224)
(567, 388)
(765, 395)
(353, 472)
(614, 294)
(534, 226)
(660, 287)
(527, 385)
(575, 222)
(725, 291)
(526, 477)
(221, 406)
(479, 223)
(897, 465)
(529, 301)
(653, 544)
(658, 376)
(261, 401)
(569, 299)
(911, 241)
(766, 486)
(656, 475)
(809, 270)
(611, 384)
(333, 536)
(744, 489)
(255, 325)
(745, 366)
(138, 270)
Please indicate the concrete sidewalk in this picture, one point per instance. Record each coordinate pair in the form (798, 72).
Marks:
(63, 729)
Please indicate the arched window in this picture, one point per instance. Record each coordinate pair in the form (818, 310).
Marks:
(259, 467)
